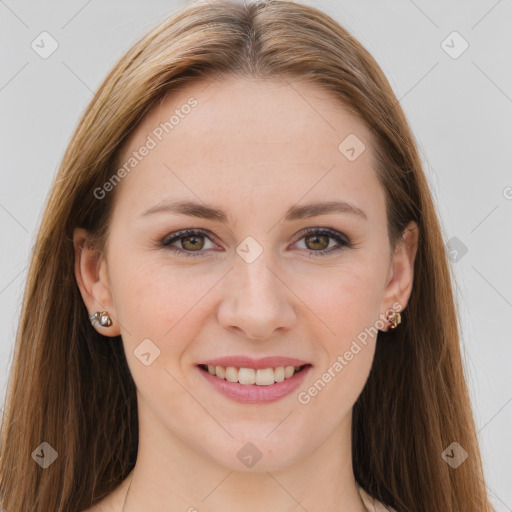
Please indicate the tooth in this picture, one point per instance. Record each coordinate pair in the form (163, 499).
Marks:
(279, 374)
(289, 371)
(231, 374)
(246, 376)
(265, 377)
(250, 376)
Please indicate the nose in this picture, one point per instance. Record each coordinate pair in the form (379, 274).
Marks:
(257, 301)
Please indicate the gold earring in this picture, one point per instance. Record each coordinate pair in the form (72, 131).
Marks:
(394, 318)
(101, 318)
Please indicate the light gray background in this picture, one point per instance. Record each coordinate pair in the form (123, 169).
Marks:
(460, 110)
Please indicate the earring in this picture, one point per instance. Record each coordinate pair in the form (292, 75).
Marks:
(102, 319)
(394, 318)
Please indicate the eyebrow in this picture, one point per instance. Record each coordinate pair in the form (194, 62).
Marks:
(203, 211)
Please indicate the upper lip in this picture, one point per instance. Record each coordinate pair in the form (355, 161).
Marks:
(250, 362)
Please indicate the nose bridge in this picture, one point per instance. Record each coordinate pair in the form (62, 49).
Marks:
(258, 284)
(258, 302)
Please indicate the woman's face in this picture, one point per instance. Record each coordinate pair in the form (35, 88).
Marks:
(247, 165)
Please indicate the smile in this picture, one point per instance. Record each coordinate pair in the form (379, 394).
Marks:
(252, 376)
(253, 381)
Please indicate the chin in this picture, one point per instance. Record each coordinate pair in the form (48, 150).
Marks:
(259, 453)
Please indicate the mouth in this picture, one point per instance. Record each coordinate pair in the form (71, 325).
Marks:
(253, 376)
(249, 381)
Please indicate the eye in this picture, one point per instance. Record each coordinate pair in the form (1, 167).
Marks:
(191, 241)
(317, 239)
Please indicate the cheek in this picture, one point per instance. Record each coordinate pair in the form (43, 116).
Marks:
(347, 298)
(348, 303)
(162, 303)
(338, 379)
(157, 308)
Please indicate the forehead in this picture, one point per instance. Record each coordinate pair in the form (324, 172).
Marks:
(279, 138)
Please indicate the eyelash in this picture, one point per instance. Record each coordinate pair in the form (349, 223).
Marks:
(343, 240)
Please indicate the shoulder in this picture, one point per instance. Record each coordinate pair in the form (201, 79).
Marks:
(373, 505)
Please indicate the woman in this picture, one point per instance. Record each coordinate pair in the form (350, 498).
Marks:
(307, 357)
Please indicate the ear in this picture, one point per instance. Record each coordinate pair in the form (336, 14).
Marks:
(401, 270)
(92, 279)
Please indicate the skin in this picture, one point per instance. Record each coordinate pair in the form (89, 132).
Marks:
(251, 148)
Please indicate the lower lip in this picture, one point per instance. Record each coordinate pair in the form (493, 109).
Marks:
(254, 394)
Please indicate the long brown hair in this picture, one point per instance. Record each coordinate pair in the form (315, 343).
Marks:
(71, 387)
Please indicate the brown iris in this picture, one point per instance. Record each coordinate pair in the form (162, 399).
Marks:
(192, 242)
(322, 240)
